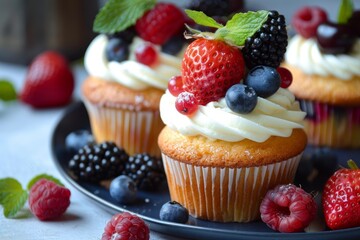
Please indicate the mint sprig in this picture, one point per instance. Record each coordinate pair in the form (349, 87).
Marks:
(13, 197)
(240, 27)
(202, 19)
(118, 15)
(7, 90)
(345, 11)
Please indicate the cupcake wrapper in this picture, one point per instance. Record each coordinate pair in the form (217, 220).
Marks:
(134, 131)
(225, 194)
(332, 126)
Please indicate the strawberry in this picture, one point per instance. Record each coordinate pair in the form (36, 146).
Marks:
(160, 23)
(210, 67)
(49, 81)
(341, 198)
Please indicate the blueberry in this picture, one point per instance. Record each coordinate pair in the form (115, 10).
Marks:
(123, 189)
(78, 139)
(241, 98)
(325, 161)
(117, 50)
(174, 212)
(264, 80)
(174, 45)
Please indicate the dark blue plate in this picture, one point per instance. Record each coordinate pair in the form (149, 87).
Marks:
(149, 204)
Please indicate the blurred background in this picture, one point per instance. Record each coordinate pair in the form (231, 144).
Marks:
(29, 27)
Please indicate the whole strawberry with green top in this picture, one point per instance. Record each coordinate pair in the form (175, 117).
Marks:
(341, 198)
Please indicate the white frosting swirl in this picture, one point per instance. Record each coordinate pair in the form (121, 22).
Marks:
(305, 54)
(131, 73)
(276, 115)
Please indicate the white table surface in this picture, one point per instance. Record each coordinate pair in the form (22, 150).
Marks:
(25, 135)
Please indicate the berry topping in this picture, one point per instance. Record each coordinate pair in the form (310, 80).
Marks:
(264, 80)
(147, 172)
(268, 45)
(174, 45)
(47, 200)
(186, 103)
(216, 7)
(96, 162)
(159, 24)
(307, 19)
(117, 50)
(78, 139)
(146, 54)
(288, 208)
(123, 189)
(175, 85)
(335, 38)
(354, 23)
(285, 76)
(241, 98)
(341, 198)
(126, 226)
(49, 81)
(174, 212)
(126, 35)
(209, 68)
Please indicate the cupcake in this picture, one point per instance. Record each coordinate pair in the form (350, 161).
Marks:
(231, 131)
(130, 63)
(324, 58)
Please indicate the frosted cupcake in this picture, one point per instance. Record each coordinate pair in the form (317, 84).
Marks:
(324, 58)
(231, 133)
(129, 64)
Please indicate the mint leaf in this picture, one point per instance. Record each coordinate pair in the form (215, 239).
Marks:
(12, 196)
(345, 11)
(241, 26)
(117, 15)
(45, 176)
(7, 91)
(202, 19)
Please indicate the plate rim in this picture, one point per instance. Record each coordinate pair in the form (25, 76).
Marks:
(168, 227)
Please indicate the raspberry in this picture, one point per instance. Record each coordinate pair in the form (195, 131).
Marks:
(268, 45)
(160, 23)
(307, 19)
(126, 226)
(288, 208)
(48, 200)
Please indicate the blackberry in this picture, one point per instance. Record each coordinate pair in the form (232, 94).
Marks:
(216, 7)
(146, 171)
(96, 162)
(268, 45)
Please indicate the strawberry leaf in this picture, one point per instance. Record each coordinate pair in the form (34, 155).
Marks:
(117, 15)
(345, 11)
(202, 19)
(241, 26)
(43, 176)
(7, 91)
(12, 196)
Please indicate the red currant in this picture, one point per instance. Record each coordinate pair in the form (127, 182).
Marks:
(175, 85)
(146, 54)
(285, 76)
(186, 103)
